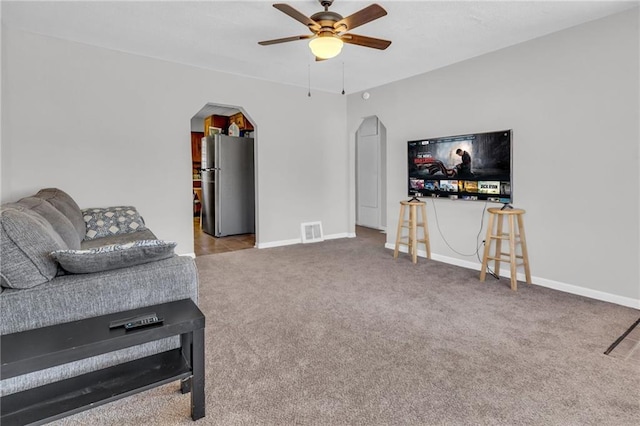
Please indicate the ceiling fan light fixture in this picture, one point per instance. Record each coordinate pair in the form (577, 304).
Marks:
(326, 47)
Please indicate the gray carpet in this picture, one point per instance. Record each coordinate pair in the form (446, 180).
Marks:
(340, 333)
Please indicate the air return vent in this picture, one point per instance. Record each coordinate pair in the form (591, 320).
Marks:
(311, 232)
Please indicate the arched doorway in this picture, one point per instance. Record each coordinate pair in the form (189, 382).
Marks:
(224, 183)
(371, 175)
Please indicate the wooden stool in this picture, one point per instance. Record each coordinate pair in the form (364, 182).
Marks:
(412, 224)
(515, 237)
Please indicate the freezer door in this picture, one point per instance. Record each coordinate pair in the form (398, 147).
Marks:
(235, 186)
(207, 152)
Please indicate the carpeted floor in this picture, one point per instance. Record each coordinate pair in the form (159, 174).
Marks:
(340, 333)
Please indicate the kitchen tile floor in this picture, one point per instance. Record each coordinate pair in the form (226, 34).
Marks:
(205, 244)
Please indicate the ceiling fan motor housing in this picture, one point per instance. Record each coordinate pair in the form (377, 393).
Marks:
(327, 19)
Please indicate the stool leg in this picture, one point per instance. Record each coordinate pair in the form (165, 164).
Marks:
(413, 240)
(425, 227)
(487, 248)
(498, 252)
(399, 233)
(512, 253)
(523, 247)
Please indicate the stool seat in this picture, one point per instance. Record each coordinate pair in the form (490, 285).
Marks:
(516, 239)
(412, 224)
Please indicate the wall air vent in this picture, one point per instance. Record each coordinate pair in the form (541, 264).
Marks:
(311, 232)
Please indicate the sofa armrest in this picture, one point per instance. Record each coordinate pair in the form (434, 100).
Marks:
(73, 297)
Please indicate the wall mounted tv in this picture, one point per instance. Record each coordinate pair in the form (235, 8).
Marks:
(475, 166)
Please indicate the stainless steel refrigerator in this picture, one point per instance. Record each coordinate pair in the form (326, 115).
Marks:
(228, 186)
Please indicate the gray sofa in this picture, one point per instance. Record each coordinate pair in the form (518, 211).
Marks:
(59, 263)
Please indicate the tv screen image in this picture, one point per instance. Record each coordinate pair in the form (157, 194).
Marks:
(475, 166)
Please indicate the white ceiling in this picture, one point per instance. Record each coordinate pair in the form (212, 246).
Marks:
(224, 35)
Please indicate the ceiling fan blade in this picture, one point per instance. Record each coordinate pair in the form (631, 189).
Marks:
(376, 43)
(298, 16)
(284, 40)
(318, 59)
(360, 17)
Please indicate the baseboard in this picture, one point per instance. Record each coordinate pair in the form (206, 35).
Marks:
(299, 241)
(336, 236)
(189, 254)
(543, 282)
(587, 292)
(280, 243)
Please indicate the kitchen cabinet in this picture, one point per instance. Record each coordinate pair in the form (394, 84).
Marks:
(219, 121)
(196, 157)
(241, 121)
(196, 147)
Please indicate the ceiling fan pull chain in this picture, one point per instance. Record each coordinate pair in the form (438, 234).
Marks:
(343, 77)
(309, 92)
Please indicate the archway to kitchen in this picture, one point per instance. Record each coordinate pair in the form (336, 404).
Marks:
(224, 179)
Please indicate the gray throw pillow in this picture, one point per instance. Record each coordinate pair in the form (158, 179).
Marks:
(67, 206)
(113, 256)
(58, 221)
(26, 239)
(104, 222)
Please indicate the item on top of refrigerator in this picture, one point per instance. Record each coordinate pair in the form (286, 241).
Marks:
(234, 130)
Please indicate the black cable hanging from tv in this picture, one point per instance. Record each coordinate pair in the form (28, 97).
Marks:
(622, 337)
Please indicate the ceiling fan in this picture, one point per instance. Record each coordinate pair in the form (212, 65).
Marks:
(330, 30)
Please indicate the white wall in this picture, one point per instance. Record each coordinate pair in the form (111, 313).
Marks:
(572, 100)
(113, 128)
(197, 124)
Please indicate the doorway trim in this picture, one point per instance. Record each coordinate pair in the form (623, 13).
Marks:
(352, 132)
(370, 163)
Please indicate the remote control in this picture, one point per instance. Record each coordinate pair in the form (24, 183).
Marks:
(143, 323)
(123, 321)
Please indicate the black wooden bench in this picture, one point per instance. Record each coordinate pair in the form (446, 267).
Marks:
(46, 347)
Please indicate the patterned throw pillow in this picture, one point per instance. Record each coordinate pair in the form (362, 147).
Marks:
(113, 256)
(102, 222)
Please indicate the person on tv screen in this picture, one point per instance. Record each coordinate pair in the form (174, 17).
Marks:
(464, 168)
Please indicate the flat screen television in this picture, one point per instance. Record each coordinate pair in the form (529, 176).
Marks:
(475, 166)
